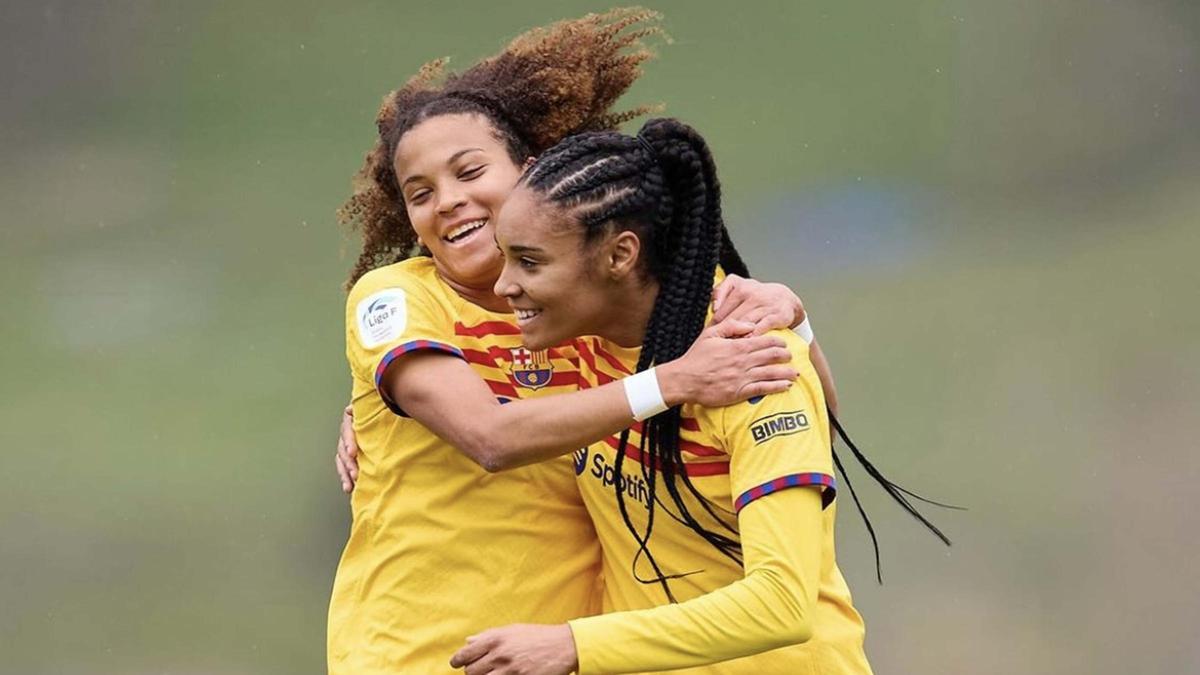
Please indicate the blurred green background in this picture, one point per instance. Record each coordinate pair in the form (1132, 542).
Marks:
(991, 210)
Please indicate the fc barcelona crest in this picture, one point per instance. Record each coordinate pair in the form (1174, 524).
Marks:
(531, 369)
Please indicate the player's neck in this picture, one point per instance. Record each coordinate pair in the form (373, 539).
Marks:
(479, 295)
(630, 314)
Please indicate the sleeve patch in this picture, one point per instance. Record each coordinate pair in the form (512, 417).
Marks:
(381, 317)
(790, 481)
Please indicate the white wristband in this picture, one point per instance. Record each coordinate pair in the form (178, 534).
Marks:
(804, 330)
(644, 396)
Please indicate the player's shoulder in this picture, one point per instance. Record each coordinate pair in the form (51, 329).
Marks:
(412, 273)
(757, 419)
(800, 396)
(397, 294)
(412, 279)
(799, 350)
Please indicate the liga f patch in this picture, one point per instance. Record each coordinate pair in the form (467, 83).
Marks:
(381, 317)
(780, 424)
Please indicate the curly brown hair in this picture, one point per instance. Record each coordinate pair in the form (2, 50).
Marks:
(549, 83)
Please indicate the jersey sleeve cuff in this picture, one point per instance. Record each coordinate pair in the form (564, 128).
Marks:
(401, 350)
(584, 633)
(827, 483)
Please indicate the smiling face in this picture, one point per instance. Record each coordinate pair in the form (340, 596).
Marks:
(454, 174)
(561, 286)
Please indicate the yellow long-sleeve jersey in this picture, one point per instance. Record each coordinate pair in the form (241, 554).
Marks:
(765, 468)
(440, 549)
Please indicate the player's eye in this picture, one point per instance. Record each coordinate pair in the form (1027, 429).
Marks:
(472, 173)
(527, 263)
(419, 196)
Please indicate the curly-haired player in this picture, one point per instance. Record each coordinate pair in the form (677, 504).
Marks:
(441, 546)
(548, 83)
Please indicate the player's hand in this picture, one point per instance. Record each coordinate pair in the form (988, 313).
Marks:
(346, 457)
(766, 305)
(519, 649)
(725, 365)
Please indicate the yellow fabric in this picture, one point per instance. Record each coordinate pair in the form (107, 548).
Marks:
(728, 452)
(439, 549)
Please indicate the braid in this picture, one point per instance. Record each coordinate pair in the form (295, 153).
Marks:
(548, 83)
(662, 184)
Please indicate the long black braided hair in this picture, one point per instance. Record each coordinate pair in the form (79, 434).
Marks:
(663, 185)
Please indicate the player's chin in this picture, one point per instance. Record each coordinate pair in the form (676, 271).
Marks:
(537, 333)
(478, 267)
(535, 340)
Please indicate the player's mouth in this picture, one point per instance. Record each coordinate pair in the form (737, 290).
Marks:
(464, 231)
(526, 316)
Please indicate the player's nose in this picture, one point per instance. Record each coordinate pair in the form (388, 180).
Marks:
(505, 287)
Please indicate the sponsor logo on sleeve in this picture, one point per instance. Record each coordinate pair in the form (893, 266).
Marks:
(581, 456)
(780, 424)
(381, 317)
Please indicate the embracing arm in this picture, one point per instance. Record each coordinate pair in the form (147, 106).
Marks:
(554, 428)
(447, 396)
(345, 459)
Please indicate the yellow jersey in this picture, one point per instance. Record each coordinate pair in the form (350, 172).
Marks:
(733, 455)
(440, 549)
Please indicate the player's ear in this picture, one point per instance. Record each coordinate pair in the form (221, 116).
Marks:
(621, 256)
(528, 163)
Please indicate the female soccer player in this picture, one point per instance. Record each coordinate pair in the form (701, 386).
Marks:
(441, 547)
(716, 523)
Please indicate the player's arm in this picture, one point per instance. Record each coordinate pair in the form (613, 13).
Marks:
(345, 458)
(771, 607)
(594, 417)
(446, 395)
(769, 306)
(781, 481)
